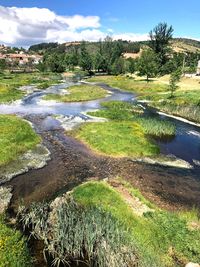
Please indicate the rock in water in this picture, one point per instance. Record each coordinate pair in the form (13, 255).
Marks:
(5, 197)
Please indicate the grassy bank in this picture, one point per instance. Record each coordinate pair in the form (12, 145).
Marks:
(13, 249)
(98, 224)
(121, 139)
(185, 102)
(10, 83)
(122, 111)
(79, 93)
(128, 133)
(163, 238)
(16, 137)
(130, 84)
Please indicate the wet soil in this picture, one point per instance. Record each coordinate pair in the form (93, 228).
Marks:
(73, 163)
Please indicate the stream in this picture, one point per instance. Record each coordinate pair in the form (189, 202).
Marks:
(72, 162)
(185, 145)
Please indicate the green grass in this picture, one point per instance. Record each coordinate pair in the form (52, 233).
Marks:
(13, 249)
(122, 111)
(185, 103)
(161, 236)
(79, 93)
(9, 84)
(130, 84)
(121, 139)
(117, 110)
(157, 127)
(16, 137)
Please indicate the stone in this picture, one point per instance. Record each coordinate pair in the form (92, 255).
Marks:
(5, 197)
(191, 264)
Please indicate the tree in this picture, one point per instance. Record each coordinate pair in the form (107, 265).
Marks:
(174, 79)
(160, 37)
(148, 64)
(118, 66)
(2, 64)
(132, 65)
(85, 58)
(54, 62)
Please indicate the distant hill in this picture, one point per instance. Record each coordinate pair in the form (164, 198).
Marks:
(185, 45)
(179, 45)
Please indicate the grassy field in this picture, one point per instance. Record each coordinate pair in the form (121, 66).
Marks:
(120, 139)
(163, 238)
(79, 93)
(13, 249)
(185, 102)
(16, 137)
(9, 84)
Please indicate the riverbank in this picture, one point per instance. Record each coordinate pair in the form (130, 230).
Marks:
(185, 102)
(78, 93)
(12, 85)
(151, 236)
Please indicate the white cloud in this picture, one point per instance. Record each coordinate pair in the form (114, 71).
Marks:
(131, 36)
(26, 26)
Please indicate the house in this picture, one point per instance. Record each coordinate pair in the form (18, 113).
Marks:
(21, 58)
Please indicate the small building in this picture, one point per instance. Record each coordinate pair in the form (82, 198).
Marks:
(198, 68)
(21, 59)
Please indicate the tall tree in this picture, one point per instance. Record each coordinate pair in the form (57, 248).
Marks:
(160, 38)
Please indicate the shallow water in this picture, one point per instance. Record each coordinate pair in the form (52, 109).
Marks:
(185, 145)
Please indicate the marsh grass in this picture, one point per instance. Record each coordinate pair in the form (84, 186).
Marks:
(87, 234)
(157, 127)
(16, 137)
(13, 249)
(79, 93)
(10, 83)
(161, 236)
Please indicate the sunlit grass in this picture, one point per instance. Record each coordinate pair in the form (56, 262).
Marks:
(10, 83)
(16, 137)
(162, 237)
(121, 139)
(13, 249)
(79, 93)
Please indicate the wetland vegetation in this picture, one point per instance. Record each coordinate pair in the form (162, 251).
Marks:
(102, 223)
(78, 93)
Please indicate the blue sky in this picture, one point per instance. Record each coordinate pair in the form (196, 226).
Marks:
(128, 19)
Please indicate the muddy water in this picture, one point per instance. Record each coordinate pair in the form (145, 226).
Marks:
(73, 163)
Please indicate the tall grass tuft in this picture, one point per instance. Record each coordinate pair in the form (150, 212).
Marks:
(87, 234)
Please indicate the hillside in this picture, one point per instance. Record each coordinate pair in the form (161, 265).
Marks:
(186, 45)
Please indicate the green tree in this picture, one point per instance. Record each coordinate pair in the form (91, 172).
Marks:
(174, 79)
(118, 66)
(85, 58)
(2, 64)
(55, 62)
(148, 64)
(160, 38)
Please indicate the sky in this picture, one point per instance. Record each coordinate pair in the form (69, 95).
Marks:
(27, 22)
